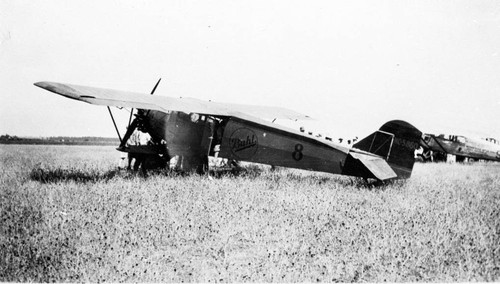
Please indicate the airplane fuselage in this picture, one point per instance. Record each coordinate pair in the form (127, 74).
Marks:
(463, 146)
(195, 136)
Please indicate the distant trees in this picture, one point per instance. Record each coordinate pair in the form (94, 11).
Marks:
(59, 140)
(8, 137)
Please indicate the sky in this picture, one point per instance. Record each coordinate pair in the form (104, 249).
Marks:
(352, 65)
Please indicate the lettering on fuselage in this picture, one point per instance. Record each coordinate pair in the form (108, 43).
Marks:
(406, 143)
(243, 143)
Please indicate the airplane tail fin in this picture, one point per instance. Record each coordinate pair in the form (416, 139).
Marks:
(395, 142)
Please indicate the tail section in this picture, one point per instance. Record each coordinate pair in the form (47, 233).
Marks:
(396, 142)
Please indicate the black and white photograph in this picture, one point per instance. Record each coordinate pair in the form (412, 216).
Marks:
(249, 141)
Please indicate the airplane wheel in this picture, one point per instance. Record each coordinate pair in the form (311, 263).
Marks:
(203, 167)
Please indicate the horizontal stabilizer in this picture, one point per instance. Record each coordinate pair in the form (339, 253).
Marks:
(363, 165)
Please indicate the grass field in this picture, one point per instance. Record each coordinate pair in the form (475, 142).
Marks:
(67, 214)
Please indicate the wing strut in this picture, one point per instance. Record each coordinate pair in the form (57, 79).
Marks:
(112, 118)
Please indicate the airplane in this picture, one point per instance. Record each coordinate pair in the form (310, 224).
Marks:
(193, 130)
(437, 146)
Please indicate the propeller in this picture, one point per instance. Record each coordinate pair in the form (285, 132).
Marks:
(132, 110)
(138, 122)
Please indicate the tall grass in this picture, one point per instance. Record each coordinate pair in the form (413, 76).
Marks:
(68, 215)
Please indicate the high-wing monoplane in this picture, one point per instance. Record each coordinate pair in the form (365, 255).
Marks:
(436, 147)
(192, 130)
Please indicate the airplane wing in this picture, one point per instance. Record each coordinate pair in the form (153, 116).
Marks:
(108, 97)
